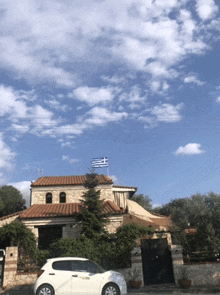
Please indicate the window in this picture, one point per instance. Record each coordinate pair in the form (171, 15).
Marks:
(48, 198)
(79, 265)
(62, 265)
(86, 266)
(62, 198)
(92, 267)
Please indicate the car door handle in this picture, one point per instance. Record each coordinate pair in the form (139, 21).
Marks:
(52, 274)
(75, 276)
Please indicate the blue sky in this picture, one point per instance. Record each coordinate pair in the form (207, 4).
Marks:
(135, 81)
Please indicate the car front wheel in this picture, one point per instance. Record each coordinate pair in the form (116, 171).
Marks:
(45, 290)
(110, 289)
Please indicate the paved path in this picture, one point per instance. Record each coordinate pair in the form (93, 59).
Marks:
(154, 289)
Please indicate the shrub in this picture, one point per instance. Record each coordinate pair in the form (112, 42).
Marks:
(17, 234)
(112, 251)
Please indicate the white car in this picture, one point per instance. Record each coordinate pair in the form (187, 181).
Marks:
(72, 275)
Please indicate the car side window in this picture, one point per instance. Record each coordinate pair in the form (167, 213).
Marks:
(62, 265)
(93, 267)
(79, 265)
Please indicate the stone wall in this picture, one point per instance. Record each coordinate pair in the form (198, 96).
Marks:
(73, 193)
(200, 274)
(136, 266)
(11, 276)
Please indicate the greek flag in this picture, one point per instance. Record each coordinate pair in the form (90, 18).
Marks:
(100, 162)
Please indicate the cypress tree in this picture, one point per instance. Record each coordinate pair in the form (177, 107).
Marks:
(91, 214)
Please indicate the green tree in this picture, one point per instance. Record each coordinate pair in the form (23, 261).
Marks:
(200, 211)
(11, 200)
(17, 234)
(91, 215)
(142, 200)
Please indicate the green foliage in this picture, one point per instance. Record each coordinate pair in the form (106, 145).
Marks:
(142, 200)
(120, 245)
(11, 200)
(200, 211)
(17, 234)
(41, 256)
(91, 213)
(112, 251)
(71, 247)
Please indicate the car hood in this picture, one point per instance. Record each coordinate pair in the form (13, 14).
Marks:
(114, 274)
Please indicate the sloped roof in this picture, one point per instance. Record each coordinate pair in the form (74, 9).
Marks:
(142, 216)
(68, 180)
(10, 215)
(136, 209)
(62, 210)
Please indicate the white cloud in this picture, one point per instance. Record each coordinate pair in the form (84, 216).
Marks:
(167, 112)
(115, 179)
(193, 79)
(56, 105)
(190, 149)
(66, 144)
(59, 42)
(42, 121)
(93, 95)
(100, 116)
(114, 79)
(11, 104)
(7, 157)
(133, 98)
(70, 160)
(206, 9)
(97, 116)
(218, 99)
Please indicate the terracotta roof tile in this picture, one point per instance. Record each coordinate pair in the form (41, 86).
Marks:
(11, 215)
(62, 210)
(69, 180)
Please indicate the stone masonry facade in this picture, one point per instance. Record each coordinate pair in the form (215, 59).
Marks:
(73, 193)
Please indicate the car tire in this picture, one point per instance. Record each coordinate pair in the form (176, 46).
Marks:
(110, 289)
(45, 289)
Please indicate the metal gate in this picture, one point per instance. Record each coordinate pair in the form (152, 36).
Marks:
(2, 264)
(157, 262)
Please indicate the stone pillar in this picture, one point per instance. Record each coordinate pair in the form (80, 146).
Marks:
(136, 261)
(177, 258)
(11, 261)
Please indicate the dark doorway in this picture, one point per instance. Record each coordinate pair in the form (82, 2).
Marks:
(48, 235)
(157, 262)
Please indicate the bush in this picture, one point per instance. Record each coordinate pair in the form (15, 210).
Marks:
(17, 234)
(111, 251)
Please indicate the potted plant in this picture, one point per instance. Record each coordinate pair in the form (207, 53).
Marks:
(134, 282)
(184, 281)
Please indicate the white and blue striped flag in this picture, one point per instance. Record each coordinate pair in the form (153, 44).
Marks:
(100, 162)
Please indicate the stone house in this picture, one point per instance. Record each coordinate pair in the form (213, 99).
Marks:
(56, 200)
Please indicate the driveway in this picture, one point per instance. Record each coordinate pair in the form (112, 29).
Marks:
(154, 289)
